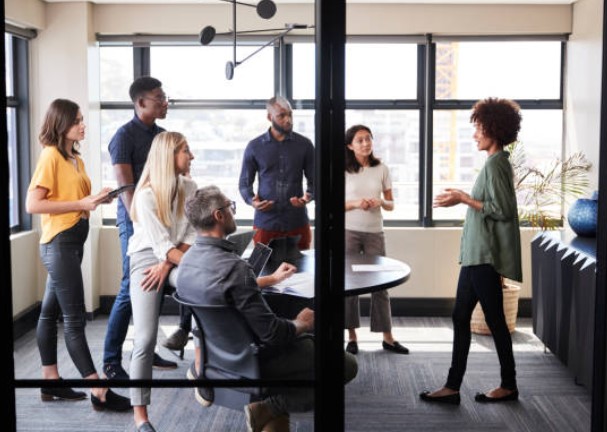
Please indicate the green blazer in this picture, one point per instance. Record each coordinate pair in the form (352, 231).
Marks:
(491, 236)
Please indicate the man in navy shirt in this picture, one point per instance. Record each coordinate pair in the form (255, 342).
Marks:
(279, 158)
(129, 149)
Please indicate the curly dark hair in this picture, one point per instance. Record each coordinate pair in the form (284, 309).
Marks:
(352, 165)
(500, 119)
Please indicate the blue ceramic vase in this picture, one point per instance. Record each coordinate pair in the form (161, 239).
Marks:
(582, 216)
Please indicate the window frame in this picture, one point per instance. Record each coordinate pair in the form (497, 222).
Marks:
(426, 103)
(435, 104)
(20, 102)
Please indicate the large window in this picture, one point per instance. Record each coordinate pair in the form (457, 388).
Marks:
(217, 116)
(527, 71)
(382, 93)
(17, 124)
(414, 95)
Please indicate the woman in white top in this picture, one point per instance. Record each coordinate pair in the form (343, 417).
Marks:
(161, 235)
(367, 179)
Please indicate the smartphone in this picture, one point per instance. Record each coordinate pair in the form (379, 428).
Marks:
(118, 191)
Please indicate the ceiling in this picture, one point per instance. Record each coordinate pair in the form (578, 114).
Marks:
(143, 2)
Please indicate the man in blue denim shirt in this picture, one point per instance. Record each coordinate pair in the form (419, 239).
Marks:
(279, 158)
(129, 149)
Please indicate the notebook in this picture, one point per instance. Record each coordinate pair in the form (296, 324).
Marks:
(298, 284)
(259, 257)
(241, 240)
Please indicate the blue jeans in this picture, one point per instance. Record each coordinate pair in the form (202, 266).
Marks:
(64, 293)
(120, 316)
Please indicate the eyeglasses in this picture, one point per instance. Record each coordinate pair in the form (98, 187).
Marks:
(160, 99)
(232, 207)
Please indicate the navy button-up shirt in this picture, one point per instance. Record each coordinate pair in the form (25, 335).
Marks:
(280, 167)
(130, 145)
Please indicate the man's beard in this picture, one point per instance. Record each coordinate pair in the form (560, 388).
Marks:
(229, 229)
(280, 129)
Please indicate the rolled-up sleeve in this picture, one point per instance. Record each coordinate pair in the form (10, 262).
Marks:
(498, 203)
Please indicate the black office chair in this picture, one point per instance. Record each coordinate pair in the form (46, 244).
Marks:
(229, 351)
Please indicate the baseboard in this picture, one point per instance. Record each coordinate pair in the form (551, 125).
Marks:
(26, 320)
(401, 306)
(431, 307)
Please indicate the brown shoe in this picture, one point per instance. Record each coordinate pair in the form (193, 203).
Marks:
(277, 424)
(257, 415)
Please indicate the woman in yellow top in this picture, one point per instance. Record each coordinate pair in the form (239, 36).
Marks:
(60, 191)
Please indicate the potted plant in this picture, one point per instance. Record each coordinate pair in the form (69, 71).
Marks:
(541, 196)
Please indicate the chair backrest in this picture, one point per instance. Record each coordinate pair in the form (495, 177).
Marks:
(229, 347)
(241, 240)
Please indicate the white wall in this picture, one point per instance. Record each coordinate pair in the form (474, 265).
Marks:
(361, 18)
(27, 272)
(432, 255)
(61, 67)
(25, 13)
(583, 86)
(64, 65)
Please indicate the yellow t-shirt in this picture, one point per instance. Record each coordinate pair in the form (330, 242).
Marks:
(64, 183)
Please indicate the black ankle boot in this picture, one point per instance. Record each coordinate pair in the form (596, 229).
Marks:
(48, 394)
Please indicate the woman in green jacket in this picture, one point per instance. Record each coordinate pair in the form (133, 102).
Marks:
(490, 249)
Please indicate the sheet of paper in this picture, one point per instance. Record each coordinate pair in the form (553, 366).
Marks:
(299, 284)
(376, 267)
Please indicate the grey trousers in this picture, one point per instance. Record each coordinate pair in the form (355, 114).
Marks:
(381, 315)
(146, 310)
(297, 363)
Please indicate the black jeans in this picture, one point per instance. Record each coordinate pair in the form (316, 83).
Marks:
(480, 283)
(62, 257)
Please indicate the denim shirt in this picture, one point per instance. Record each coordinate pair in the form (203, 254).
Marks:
(491, 236)
(130, 145)
(280, 167)
(210, 273)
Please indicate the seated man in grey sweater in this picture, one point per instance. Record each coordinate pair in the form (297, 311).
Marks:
(229, 280)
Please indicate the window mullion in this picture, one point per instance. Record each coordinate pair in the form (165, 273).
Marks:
(426, 138)
(141, 60)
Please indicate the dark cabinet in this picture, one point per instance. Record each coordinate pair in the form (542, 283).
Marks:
(563, 291)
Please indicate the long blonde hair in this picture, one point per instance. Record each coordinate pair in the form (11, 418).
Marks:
(159, 175)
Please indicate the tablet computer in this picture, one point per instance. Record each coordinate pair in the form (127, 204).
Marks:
(259, 258)
(114, 193)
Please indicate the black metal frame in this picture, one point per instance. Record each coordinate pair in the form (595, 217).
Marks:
(20, 102)
(599, 389)
(330, 106)
(425, 102)
(8, 408)
(329, 232)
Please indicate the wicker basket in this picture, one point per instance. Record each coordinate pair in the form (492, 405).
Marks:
(511, 294)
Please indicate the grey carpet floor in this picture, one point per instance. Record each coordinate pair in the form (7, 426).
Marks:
(383, 397)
